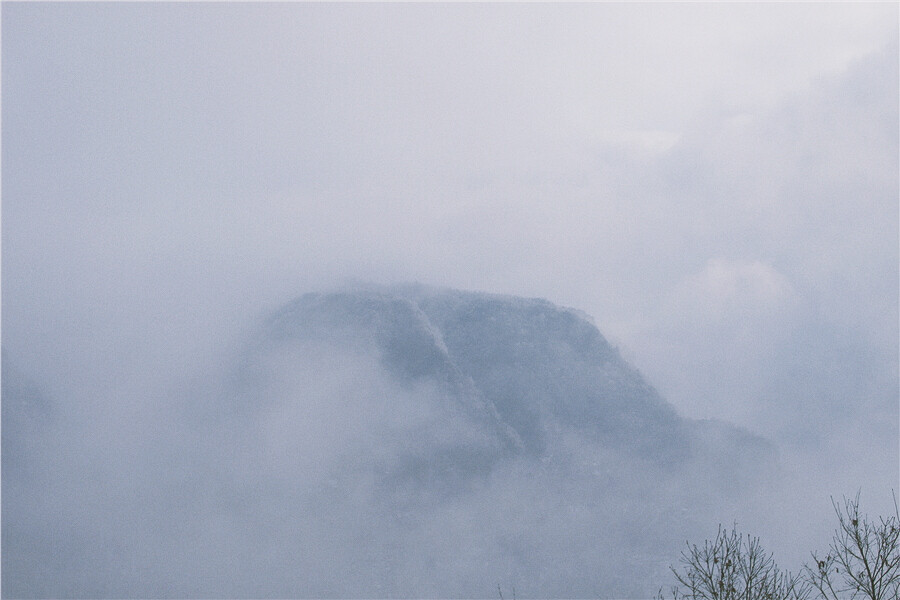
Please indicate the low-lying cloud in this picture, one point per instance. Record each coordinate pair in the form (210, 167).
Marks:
(716, 185)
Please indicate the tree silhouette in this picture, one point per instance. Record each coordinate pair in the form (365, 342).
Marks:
(863, 559)
(733, 567)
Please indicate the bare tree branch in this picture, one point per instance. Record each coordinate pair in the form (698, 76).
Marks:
(863, 559)
(732, 566)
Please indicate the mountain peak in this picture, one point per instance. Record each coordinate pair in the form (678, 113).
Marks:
(525, 365)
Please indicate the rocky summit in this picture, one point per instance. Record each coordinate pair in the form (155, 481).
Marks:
(523, 372)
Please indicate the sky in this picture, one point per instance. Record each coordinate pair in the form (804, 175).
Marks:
(716, 184)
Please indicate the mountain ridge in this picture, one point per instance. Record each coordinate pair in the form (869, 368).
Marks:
(523, 364)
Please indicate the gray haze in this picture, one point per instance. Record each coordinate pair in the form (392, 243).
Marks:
(716, 185)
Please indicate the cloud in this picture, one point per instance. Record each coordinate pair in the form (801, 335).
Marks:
(715, 184)
(728, 289)
(316, 465)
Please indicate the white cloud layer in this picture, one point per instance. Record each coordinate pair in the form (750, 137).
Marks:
(717, 184)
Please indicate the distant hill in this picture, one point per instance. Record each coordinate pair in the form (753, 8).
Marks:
(26, 413)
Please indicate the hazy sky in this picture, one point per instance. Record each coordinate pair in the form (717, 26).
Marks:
(716, 184)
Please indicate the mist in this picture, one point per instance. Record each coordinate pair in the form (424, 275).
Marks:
(715, 185)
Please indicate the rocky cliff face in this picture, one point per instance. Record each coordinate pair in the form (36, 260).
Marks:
(520, 374)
